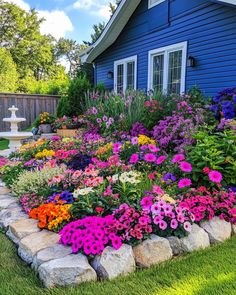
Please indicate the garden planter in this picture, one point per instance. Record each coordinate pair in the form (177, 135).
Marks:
(67, 132)
(46, 128)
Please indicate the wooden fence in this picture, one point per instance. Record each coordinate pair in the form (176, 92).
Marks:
(29, 105)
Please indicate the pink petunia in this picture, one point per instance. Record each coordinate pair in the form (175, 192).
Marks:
(161, 159)
(178, 158)
(134, 159)
(158, 190)
(186, 167)
(150, 158)
(215, 176)
(184, 182)
(174, 224)
(163, 225)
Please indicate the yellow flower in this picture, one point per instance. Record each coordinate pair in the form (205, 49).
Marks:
(44, 154)
(143, 139)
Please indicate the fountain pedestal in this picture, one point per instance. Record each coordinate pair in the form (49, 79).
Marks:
(14, 136)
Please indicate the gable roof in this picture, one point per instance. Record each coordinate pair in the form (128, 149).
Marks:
(115, 26)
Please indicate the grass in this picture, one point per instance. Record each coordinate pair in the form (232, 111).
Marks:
(207, 272)
(3, 144)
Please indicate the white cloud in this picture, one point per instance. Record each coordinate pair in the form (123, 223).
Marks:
(95, 7)
(57, 23)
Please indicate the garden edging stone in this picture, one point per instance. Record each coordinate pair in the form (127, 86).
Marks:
(197, 239)
(69, 270)
(152, 251)
(30, 245)
(218, 230)
(113, 263)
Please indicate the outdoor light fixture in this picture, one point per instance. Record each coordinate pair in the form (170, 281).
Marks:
(191, 62)
(110, 75)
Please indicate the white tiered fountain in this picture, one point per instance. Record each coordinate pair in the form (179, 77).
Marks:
(14, 136)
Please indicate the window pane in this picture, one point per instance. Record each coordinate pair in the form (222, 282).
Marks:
(174, 71)
(158, 69)
(120, 78)
(130, 75)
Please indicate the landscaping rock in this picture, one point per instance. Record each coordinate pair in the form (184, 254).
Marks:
(22, 228)
(2, 184)
(197, 239)
(30, 245)
(218, 230)
(177, 246)
(9, 216)
(7, 201)
(4, 190)
(113, 263)
(51, 253)
(69, 270)
(152, 251)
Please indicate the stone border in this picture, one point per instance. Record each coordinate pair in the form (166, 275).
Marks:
(56, 266)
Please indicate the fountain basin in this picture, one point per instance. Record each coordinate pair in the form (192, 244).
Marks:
(15, 138)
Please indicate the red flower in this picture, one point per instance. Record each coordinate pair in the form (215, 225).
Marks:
(99, 210)
(206, 170)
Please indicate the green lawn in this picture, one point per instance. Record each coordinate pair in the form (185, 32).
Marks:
(3, 144)
(212, 271)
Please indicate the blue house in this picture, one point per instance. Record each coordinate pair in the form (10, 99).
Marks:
(167, 45)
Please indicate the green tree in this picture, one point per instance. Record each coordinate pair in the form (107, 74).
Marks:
(69, 50)
(8, 72)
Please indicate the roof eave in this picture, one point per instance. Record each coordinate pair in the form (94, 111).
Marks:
(113, 28)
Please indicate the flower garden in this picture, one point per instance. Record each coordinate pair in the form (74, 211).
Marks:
(142, 168)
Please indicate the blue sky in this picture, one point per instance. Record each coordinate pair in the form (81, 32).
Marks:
(68, 18)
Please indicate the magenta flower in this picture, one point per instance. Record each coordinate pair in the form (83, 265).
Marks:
(187, 226)
(215, 176)
(184, 182)
(134, 159)
(99, 121)
(161, 159)
(105, 118)
(150, 158)
(163, 225)
(186, 167)
(178, 158)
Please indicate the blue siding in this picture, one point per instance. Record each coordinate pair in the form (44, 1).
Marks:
(209, 28)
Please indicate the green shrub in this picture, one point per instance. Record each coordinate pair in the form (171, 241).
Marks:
(8, 72)
(77, 93)
(63, 107)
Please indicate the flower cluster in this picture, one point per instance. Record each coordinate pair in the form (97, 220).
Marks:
(31, 201)
(51, 216)
(204, 204)
(64, 197)
(167, 218)
(225, 104)
(45, 154)
(46, 118)
(91, 235)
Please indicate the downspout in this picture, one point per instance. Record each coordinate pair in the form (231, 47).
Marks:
(169, 12)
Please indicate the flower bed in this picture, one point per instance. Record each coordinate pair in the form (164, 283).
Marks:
(117, 190)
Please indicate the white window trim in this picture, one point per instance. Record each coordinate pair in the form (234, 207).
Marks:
(154, 4)
(166, 50)
(125, 61)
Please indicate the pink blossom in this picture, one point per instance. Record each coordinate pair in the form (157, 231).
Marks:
(174, 224)
(178, 158)
(134, 159)
(184, 182)
(134, 140)
(215, 176)
(161, 159)
(186, 167)
(150, 158)
(187, 226)
(158, 190)
(163, 225)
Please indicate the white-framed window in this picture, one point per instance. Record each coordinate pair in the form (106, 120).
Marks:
(125, 74)
(167, 68)
(152, 3)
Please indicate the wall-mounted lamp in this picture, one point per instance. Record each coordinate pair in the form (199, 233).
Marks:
(191, 62)
(110, 75)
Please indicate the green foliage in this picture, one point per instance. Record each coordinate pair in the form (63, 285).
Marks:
(11, 173)
(216, 151)
(63, 107)
(77, 93)
(8, 72)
